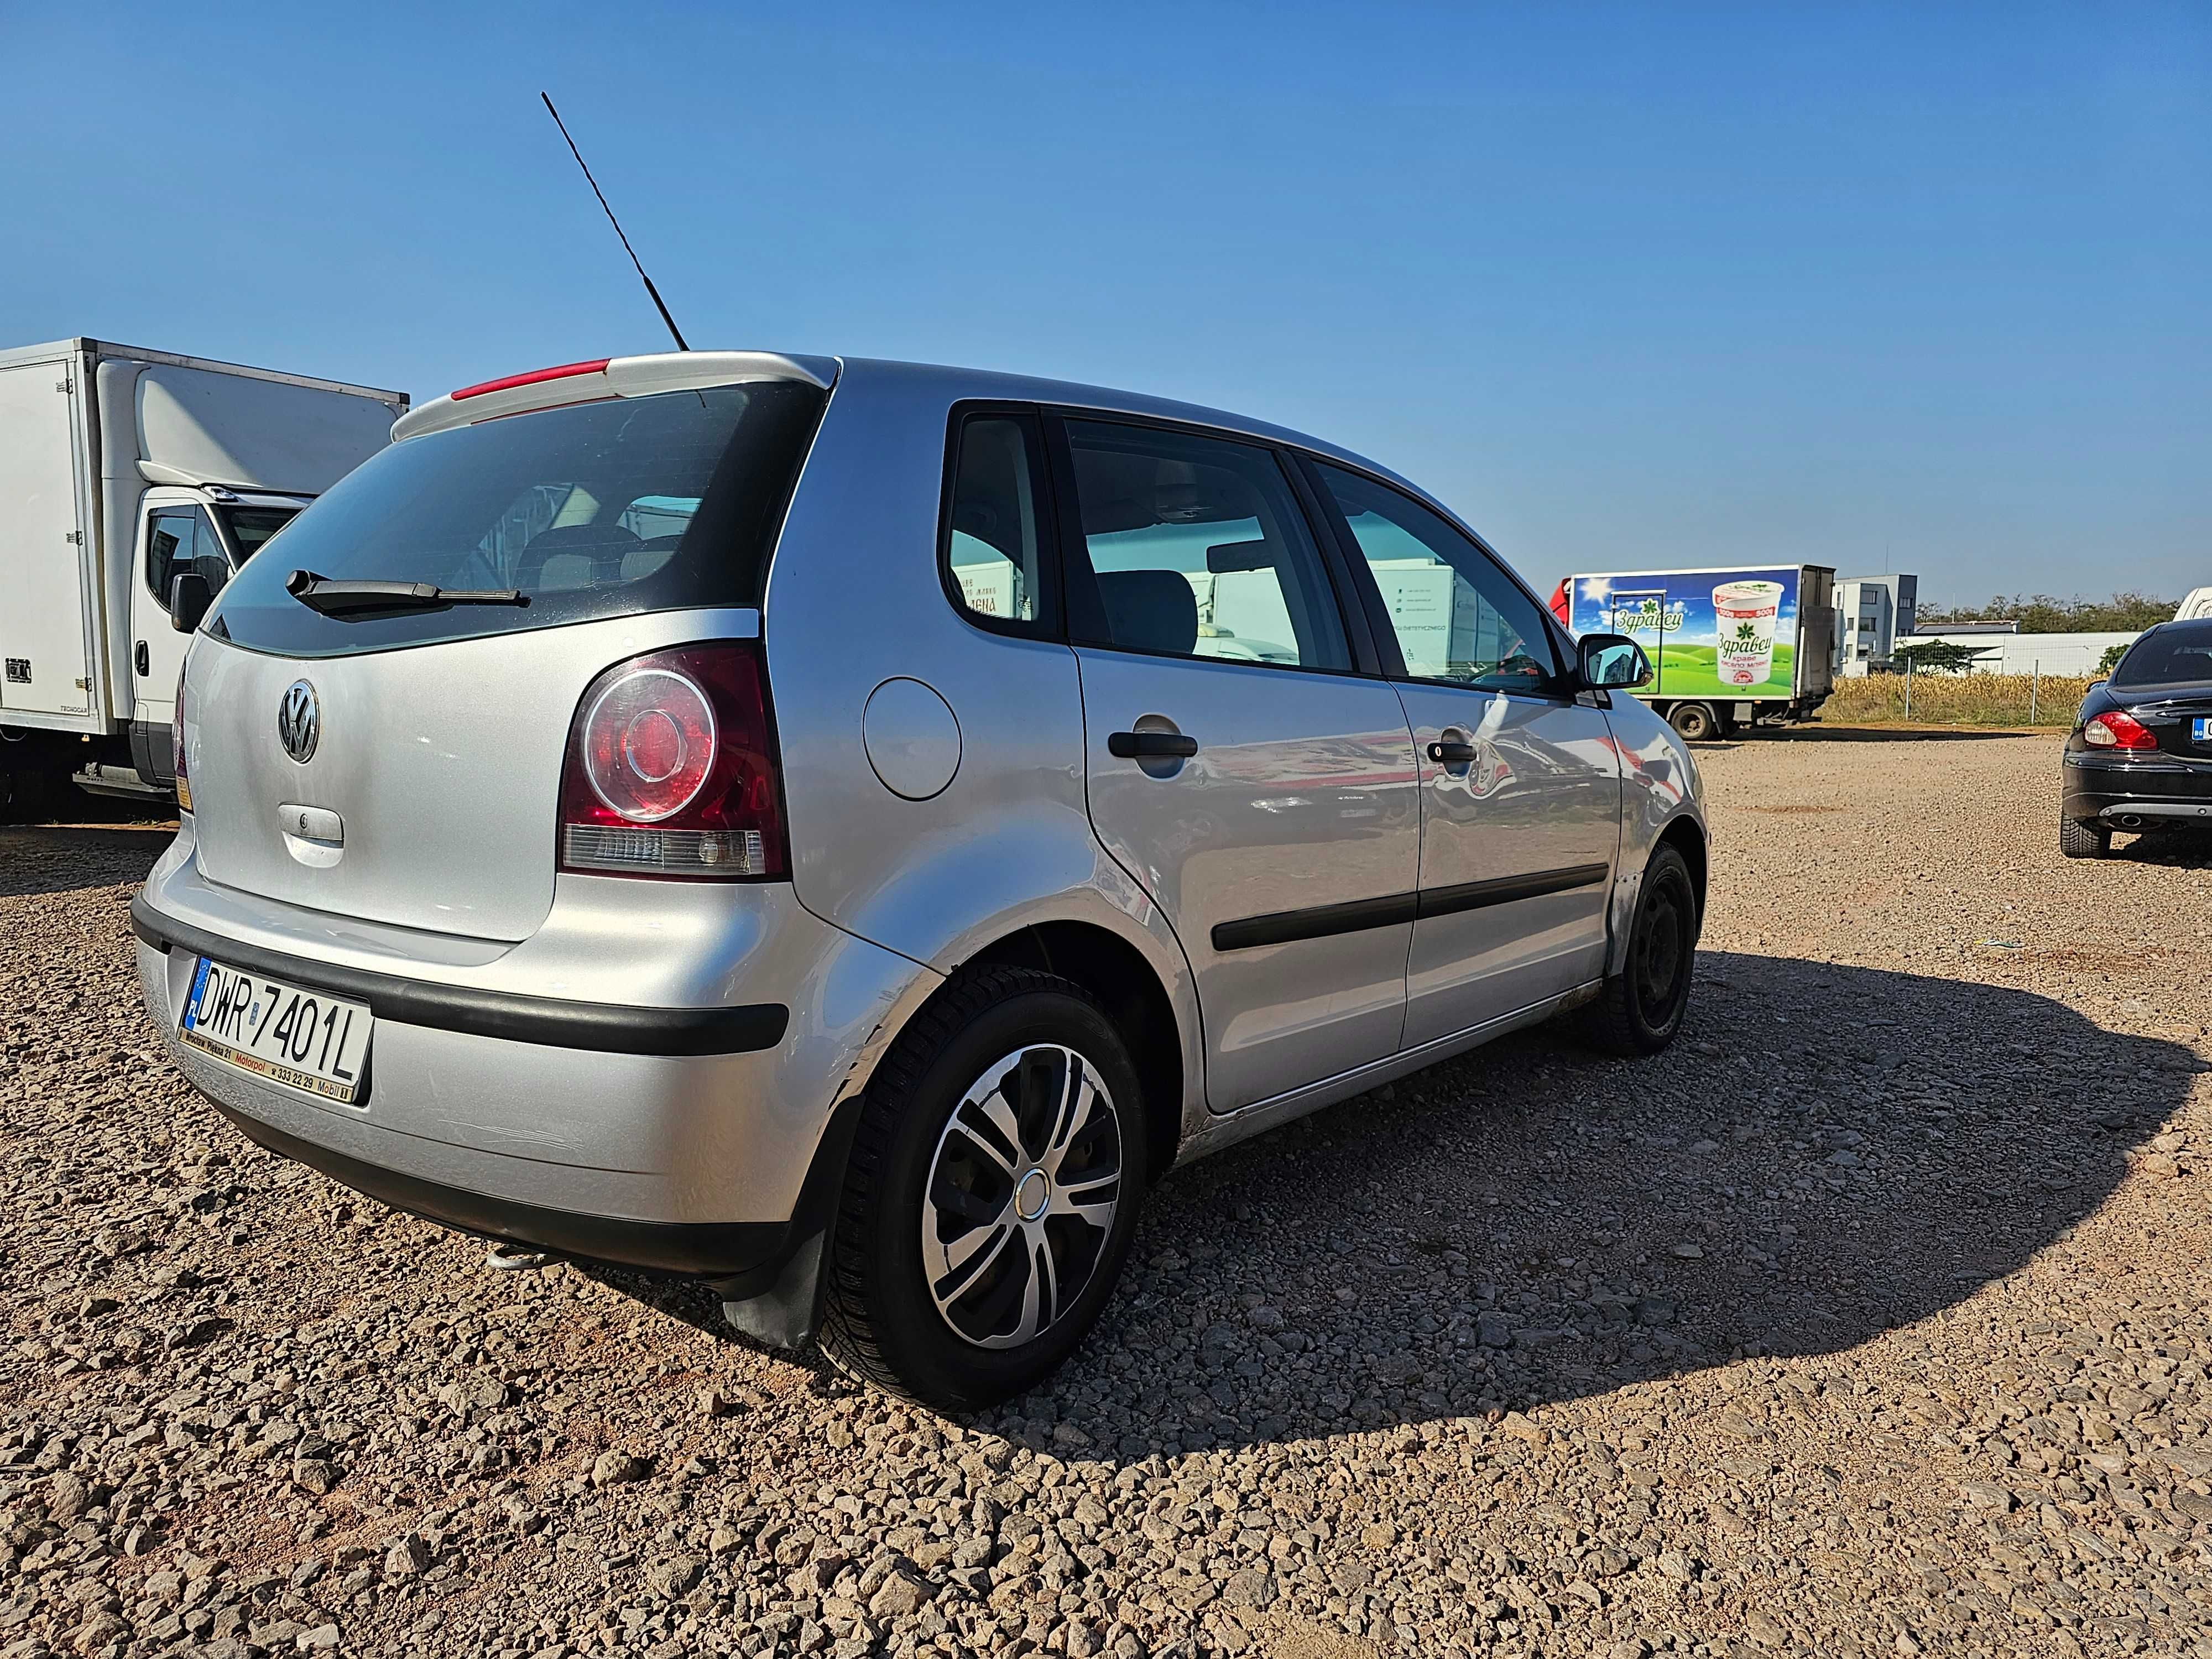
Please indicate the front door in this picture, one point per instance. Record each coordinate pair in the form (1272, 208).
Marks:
(1259, 791)
(1520, 785)
(177, 537)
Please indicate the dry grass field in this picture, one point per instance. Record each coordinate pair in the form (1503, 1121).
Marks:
(1957, 700)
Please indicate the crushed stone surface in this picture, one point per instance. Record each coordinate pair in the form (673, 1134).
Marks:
(1868, 1319)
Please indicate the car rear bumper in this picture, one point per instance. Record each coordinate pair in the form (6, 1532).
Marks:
(717, 1249)
(2153, 790)
(677, 1138)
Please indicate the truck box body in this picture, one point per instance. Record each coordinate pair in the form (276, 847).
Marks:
(1749, 642)
(95, 438)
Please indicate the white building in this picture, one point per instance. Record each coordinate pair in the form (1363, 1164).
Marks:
(1871, 611)
(2073, 655)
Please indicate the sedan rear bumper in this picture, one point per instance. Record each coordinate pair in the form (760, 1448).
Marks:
(2098, 788)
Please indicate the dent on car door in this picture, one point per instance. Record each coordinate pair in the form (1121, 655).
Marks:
(1261, 793)
(1520, 784)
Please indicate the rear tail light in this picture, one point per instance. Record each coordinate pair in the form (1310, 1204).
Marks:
(2116, 731)
(177, 744)
(671, 769)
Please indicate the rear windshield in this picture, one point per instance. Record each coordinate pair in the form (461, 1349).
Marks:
(599, 509)
(2179, 654)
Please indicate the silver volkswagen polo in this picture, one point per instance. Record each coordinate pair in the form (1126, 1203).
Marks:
(842, 830)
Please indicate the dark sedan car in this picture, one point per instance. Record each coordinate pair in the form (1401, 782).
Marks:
(2140, 756)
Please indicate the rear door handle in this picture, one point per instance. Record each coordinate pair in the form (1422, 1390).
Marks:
(1151, 745)
(1452, 754)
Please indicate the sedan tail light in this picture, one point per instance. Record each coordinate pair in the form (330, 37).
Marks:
(2117, 730)
(671, 769)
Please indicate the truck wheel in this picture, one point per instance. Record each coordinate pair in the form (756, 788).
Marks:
(1641, 1008)
(995, 1176)
(1693, 721)
(2083, 838)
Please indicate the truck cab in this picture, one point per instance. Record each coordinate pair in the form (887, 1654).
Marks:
(209, 530)
(122, 468)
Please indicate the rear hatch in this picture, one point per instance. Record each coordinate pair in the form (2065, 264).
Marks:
(403, 763)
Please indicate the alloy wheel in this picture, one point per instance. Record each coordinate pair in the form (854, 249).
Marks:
(1021, 1197)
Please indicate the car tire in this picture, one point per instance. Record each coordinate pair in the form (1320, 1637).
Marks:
(1693, 722)
(923, 1297)
(1639, 1010)
(2083, 838)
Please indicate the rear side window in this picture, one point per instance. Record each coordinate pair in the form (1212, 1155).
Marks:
(994, 555)
(599, 509)
(2179, 654)
(1196, 547)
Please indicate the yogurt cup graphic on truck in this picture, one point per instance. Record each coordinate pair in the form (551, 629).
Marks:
(1744, 615)
(1712, 633)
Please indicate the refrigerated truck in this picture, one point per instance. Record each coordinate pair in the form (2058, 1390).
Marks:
(1730, 645)
(121, 468)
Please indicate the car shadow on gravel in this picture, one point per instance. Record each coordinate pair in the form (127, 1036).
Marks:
(2172, 849)
(1826, 1153)
(64, 859)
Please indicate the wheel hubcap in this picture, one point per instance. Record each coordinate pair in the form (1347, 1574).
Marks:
(1032, 1196)
(1022, 1194)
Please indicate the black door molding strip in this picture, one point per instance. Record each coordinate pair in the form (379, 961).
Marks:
(1324, 920)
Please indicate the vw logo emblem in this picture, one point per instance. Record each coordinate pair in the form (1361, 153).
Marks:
(299, 721)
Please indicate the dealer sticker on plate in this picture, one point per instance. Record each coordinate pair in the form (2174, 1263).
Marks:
(305, 1039)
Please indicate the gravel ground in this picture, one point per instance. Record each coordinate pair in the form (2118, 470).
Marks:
(1869, 1319)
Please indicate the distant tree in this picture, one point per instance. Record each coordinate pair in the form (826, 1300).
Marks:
(1938, 656)
(2044, 613)
(2110, 659)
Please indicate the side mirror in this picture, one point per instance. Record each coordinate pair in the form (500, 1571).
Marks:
(1612, 662)
(189, 600)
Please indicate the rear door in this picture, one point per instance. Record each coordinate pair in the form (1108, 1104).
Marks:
(1520, 785)
(44, 637)
(1260, 790)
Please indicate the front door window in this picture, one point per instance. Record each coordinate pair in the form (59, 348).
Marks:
(179, 539)
(1458, 618)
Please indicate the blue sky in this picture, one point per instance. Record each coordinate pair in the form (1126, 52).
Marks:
(1926, 287)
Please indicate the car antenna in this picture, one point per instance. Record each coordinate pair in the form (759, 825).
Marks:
(657, 304)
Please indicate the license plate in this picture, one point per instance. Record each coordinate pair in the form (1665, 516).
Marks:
(2200, 730)
(307, 1040)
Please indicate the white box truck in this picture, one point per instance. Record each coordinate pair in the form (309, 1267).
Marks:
(120, 469)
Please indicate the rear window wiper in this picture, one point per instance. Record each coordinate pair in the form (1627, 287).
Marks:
(341, 598)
